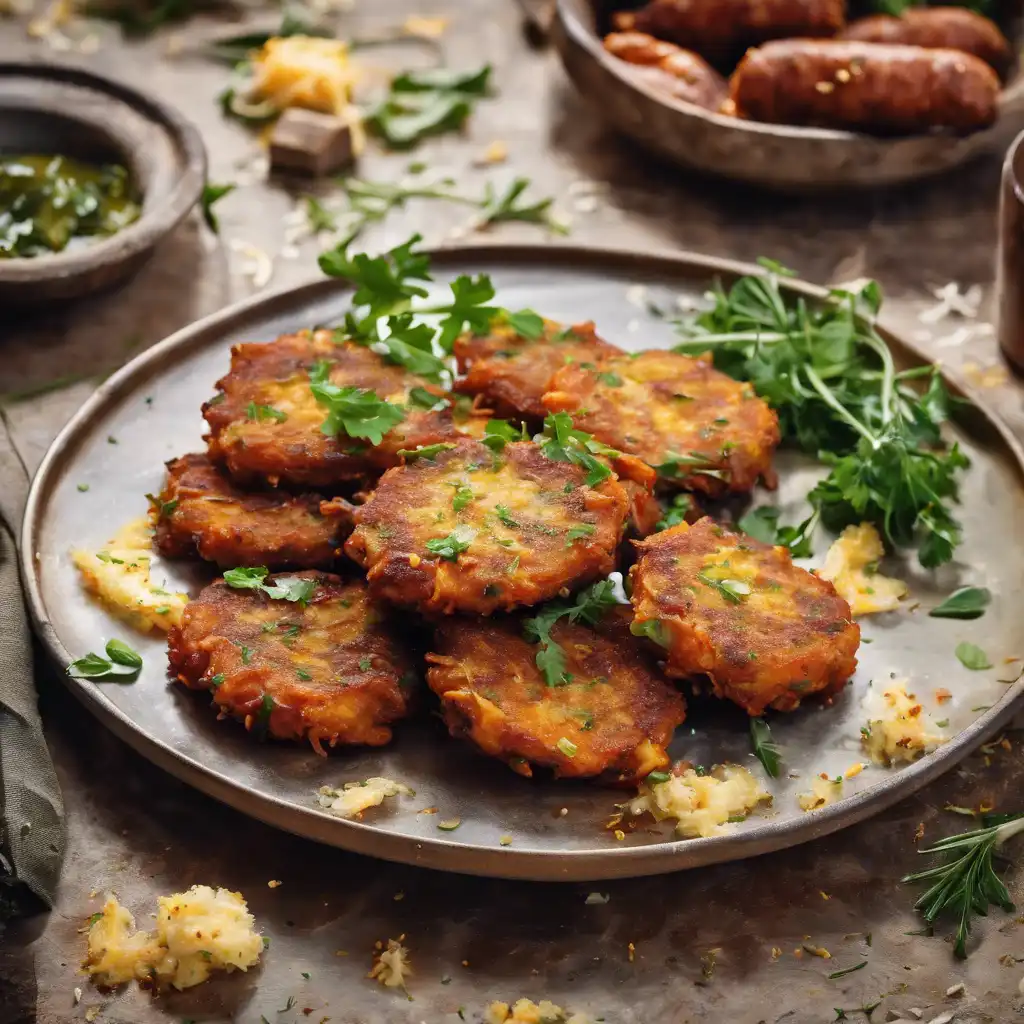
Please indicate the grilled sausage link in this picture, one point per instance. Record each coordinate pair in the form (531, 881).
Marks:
(669, 69)
(867, 87)
(720, 29)
(937, 28)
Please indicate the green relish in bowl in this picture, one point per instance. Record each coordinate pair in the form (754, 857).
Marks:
(50, 202)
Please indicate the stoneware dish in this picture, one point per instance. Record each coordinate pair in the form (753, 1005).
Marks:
(783, 157)
(52, 109)
(509, 826)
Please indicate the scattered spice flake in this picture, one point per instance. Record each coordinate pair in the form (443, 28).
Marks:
(631, 952)
(942, 695)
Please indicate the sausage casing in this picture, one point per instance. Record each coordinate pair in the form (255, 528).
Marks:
(669, 69)
(723, 29)
(937, 28)
(867, 87)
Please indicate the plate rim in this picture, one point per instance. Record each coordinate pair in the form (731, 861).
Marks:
(438, 853)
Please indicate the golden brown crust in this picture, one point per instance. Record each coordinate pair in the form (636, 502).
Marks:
(937, 28)
(616, 712)
(334, 671)
(668, 68)
(869, 87)
(510, 373)
(259, 446)
(660, 406)
(204, 514)
(782, 635)
(532, 527)
(722, 29)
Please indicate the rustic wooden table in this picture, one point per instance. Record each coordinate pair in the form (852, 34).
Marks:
(140, 833)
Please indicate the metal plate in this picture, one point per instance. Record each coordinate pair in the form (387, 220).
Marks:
(557, 829)
(786, 157)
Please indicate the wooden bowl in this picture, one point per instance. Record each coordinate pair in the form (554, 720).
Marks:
(53, 109)
(783, 157)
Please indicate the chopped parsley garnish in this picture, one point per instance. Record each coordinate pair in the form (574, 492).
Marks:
(972, 656)
(567, 747)
(763, 524)
(965, 603)
(122, 664)
(498, 433)
(162, 508)
(734, 591)
(364, 664)
(655, 777)
(589, 606)
(677, 466)
(450, 547)
(578, 533)
(303, 675)
(526, 324)
(352, 411)
(212, 194)
(425, 451)
(682, 505)
(613, 380)
(264, 413)
(503, 513)
(560, 442)
(284, 588)
(424, 399)
(462, 497)
(246, 653)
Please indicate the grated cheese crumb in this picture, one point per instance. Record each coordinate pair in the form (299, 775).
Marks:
(304, 71)
(527, 1012)
(197, 932)
(424, 28)
(824, 791)
(355, 797)
(848, 567)
(119, 576)
(701, 804)
(899, 729)
(391, 964)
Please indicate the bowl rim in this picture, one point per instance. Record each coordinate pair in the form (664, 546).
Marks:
(582, 35)
(153, 223)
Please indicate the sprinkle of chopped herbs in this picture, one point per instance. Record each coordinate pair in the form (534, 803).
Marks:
(503, 513)
(498, 433)
(462, 497)
(972, 656)
(303, 675)
(246, 653)
(212, 194)
(498, 208)
(355, 412)
(682, 505)
(425, 451)
(449, 548)
(162, 508)
(579, 533)
(264, 413)
(216, 680)
(364, 664)
(566, 746)
(734, 591)
(560, 442)
(284, 588)
(613, 380)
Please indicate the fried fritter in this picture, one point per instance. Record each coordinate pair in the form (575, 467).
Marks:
(765, 631)
(474, 530)
(333, 671)
(510, 373)
(700, 429)
(265, 425)
(615, 716)
(200, 512)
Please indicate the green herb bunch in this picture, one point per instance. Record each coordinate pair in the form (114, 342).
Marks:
(831, 378)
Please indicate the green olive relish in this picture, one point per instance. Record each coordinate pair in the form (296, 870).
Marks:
(46, 202)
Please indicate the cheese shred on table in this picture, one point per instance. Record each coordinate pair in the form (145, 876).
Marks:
(197, 932)
(524, 1011)
(898, 728)
(850, 566)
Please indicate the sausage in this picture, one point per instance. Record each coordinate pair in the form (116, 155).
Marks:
(669, 69)
(867, 87)
(720, 30)
(937, 28)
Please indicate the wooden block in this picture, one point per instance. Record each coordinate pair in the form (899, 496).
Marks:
(311, 143)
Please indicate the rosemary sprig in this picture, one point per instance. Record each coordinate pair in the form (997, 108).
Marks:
(966, 883)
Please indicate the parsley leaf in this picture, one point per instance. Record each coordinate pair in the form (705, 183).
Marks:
(425, 451)
(526, 324)
(284, 588)
(765, 748)
(503, 513)
(561, 443)
(211, 195)
(450, 547)
(972, 656)
(589, 607)
(734, 591)
(352, 411)
(965, 603)
(508, 206)
(578, 533)
(498, 433)
(468, 310)
(463, 496)
(264, 413)
(682, 505)
(122, 663)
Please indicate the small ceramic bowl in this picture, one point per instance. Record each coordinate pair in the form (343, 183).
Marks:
(62, 110)
(788, 158)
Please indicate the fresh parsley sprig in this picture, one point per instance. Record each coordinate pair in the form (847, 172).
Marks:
(284, 588)
(561, 442)
(122, 664)
(501, 207)
(589, 607)
(966, 883)
(352, 411)
(832, 380)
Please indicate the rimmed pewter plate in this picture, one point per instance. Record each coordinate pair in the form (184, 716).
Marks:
(789, 158)
(510, 827)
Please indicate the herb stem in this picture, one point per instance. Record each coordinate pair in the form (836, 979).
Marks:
(837, 407)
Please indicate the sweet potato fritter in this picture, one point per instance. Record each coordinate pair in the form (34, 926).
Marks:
(616, 715)
(333, 671)
(265, 423)
(510, 373)
(202, 513)
(765, 631)
(700, 429)
(474, 530)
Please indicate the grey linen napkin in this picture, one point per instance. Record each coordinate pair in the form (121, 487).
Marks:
(31, 811)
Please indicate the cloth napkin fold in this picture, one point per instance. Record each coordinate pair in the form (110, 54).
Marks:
(31, 811)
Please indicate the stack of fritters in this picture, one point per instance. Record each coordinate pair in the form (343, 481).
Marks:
(481, 535)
